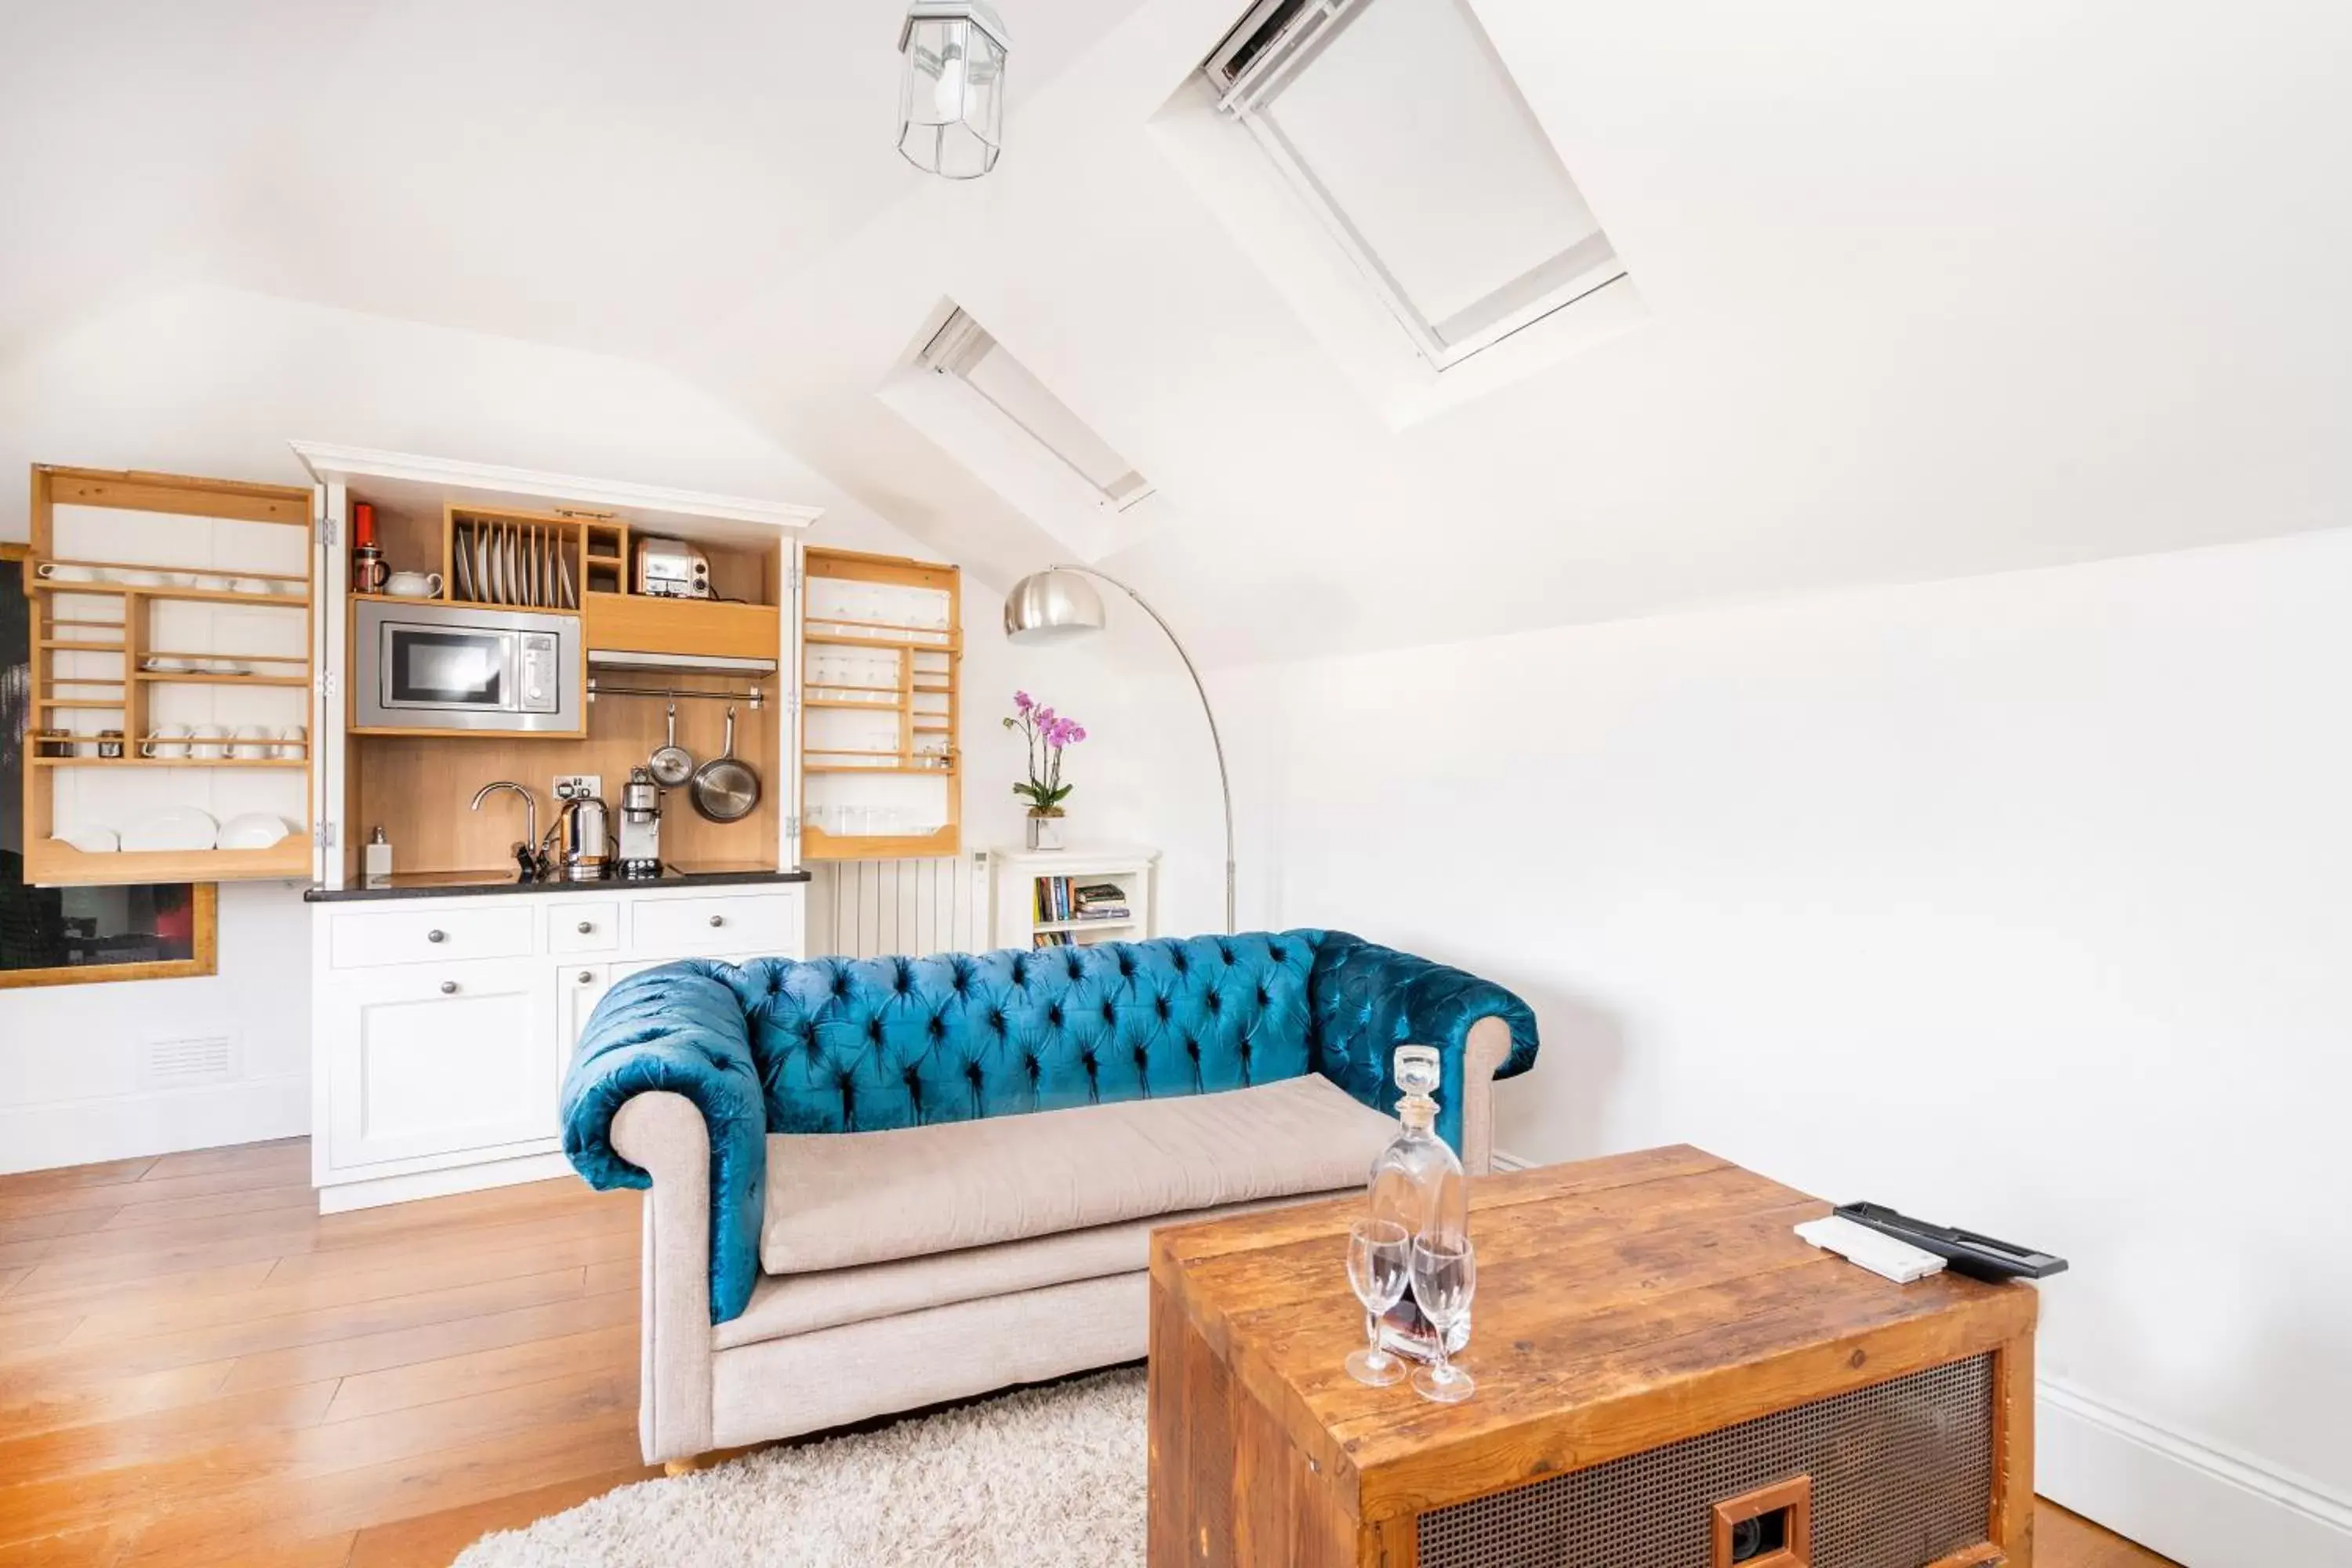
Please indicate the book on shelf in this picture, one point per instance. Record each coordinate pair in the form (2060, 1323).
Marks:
(1058, 899)
(1056, 938)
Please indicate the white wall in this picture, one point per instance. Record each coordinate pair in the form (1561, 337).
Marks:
(210, 382)
(2019, 901)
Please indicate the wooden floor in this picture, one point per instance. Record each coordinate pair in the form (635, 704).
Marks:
(196, 1368)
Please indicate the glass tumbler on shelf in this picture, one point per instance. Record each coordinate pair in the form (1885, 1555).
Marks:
(1416, 1184)
(1444, 1276)
(1378, 1257)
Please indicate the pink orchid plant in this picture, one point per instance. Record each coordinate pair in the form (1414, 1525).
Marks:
(1048, 734)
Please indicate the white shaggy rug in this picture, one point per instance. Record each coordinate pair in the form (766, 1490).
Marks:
(1044, 1477)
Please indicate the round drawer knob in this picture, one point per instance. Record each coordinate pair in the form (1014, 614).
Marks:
(587, 926)
(436, 936)
(587, 977)
(719, 920)
(448, 988)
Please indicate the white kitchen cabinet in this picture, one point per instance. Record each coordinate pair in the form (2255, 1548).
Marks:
(578, 988)
(442, 1026)
(437, 1058)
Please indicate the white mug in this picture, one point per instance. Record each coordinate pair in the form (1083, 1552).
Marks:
(250, 585)
(171, 740)
(292, 741)
(413, 584)
(56, 572)
(207, 742)
(252, 741)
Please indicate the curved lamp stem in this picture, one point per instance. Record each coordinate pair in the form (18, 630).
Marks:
(1224, 785)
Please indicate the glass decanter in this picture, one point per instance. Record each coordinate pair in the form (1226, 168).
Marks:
(1417, 1182)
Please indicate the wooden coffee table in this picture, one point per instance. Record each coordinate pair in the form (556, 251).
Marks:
(1667, 1378)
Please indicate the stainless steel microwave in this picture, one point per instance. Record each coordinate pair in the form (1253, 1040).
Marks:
(430, 666)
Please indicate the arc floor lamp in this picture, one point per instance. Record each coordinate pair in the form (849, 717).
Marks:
(1058, 605)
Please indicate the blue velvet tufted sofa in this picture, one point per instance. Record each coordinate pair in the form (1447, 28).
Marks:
(878, 1183)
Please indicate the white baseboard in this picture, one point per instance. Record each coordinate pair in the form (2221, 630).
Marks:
(344, 1196)
(2195, 1503)
(165, 1121)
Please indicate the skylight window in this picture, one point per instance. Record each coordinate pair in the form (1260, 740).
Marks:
(1398, 125)
(963, 349)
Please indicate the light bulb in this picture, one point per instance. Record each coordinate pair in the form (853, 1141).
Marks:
(948, 96)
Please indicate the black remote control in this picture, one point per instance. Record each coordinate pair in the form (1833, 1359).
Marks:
(1963, 1251)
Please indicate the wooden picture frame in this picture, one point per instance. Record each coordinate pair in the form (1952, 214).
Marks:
(204, 957)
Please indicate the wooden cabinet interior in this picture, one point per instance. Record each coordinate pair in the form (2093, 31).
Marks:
(882, 643)
(167, 602)
(417, 786)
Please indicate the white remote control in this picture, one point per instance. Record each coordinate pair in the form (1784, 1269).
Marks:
(1881, 1254)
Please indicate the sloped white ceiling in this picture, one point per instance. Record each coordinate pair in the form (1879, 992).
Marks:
(1931, 294)
(599, 173)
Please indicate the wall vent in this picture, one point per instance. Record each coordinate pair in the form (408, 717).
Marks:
(183, 1064)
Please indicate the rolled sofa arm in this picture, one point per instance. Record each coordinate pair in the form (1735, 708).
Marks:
(678, 1029)
(1367, 1000)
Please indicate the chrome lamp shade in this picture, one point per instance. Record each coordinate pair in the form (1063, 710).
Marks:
(1052, 606)
(951, 90)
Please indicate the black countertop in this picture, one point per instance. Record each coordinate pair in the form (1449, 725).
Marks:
(472, 884)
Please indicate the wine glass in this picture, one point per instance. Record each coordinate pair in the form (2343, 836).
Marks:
(1444, 1275)
(1377, 1263)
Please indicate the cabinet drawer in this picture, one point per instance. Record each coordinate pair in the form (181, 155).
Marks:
(428, 935)
(578, 926)
(689, 928)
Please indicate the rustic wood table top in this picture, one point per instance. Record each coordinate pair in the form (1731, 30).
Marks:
(1621, 1304)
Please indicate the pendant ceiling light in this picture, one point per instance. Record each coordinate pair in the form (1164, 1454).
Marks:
(951, 93)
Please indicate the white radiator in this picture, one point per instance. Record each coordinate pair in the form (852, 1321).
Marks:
(864, 909)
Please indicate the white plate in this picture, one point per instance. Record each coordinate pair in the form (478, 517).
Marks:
(462, 563)
(90, 840)
(254, 830)
(181, 827)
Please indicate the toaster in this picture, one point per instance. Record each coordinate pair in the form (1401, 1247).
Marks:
(672, 569)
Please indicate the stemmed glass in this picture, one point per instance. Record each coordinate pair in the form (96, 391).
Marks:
(1444, 1276)
(1377, 1261)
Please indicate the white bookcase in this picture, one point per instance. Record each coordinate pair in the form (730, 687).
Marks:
(1017, 919)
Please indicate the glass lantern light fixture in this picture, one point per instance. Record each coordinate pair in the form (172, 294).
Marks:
(951, 92)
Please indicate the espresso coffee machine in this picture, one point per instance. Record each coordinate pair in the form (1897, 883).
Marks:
(640, 856)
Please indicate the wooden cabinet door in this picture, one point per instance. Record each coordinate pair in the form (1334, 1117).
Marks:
(438, 1058)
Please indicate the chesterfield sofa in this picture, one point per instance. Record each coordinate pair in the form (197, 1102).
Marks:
(877, 1184)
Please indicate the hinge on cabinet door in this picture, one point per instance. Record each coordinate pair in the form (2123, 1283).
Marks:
(792, 701)
(324, 528)
(326, 683)
(322, 836)
(792, 827)
(793, 579)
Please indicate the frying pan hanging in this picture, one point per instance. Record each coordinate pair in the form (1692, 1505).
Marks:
(671, 763)
(726, 789)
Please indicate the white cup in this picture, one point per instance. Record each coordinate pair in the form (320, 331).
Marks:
(207, 742)
(56, 572)
(293, 741)
(250, 585)
(170, 741)
(252, 741)
(413, 584)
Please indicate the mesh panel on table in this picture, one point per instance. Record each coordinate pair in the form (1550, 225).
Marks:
(1902, 1477)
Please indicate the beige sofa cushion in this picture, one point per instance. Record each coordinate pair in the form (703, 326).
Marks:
(842, 1199)
(788, 1304)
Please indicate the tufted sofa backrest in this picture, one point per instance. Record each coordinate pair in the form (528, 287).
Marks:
(866, 1045)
